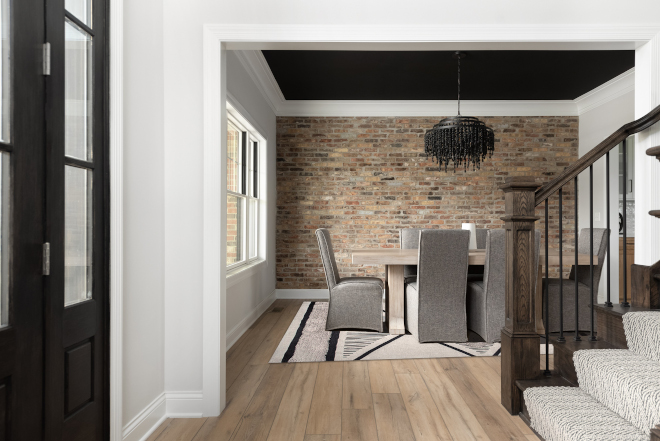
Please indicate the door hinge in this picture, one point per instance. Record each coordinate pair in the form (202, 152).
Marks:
(46, 259)
(46, 58)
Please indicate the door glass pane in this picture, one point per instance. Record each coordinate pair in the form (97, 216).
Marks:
(5, 200)
(234, 159)
(254, 216)
(77, 235)
(235, 229)
(82, 9)
(5, 83)
(77, 93)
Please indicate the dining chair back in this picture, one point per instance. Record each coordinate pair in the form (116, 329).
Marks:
(600, 249)
(482, 233)
(409, 240)
(328, 257)
(435, 303)
(486, 297)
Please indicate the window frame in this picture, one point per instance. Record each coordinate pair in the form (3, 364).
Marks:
(247, 194)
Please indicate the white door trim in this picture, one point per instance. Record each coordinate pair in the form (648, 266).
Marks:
(116, 147)
(214, 295)
(221, 37)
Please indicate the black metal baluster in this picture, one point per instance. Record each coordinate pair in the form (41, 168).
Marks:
(575, 267)
(607, 215)
(591, 249)
(625, 226)
(545, 298)
(561, 338)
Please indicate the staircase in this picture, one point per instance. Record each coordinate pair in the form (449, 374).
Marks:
(618, 397)
(605, 385)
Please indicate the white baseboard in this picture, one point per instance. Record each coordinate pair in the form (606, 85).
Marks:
(311, 294)
(244, 325)
(144, 424)
(184, 404)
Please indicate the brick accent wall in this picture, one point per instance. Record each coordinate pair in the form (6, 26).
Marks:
(364, 178)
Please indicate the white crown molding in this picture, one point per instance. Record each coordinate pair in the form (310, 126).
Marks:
(426, 108)
(257, 67)
(616, 87)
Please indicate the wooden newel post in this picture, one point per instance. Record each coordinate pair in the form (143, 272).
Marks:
(520, 342)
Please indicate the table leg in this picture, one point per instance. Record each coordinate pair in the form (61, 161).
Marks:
(540, 329)
(396, 299)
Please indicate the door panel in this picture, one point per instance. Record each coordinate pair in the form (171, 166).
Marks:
(76, 291)
(79, 367)
(21, 219)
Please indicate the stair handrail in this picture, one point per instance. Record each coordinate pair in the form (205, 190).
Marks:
(596, 153)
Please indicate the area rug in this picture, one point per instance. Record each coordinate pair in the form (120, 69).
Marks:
(306, 340)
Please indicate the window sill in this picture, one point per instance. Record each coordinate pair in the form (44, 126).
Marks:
(239, 274)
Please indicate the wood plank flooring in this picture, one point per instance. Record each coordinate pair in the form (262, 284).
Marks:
(450, 399)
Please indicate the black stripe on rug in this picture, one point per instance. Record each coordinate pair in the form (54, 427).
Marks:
(497, 352)
(292, 347)
(463, 352)
(378, 347)
(332, 346)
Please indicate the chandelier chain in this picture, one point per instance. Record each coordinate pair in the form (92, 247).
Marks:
(459, 86)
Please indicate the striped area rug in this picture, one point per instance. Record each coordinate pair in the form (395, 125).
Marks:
(306, 340)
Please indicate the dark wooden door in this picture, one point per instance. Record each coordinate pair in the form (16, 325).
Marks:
(76, 290)
(21, 219)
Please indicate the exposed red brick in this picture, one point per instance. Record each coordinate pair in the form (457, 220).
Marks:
(364, 178)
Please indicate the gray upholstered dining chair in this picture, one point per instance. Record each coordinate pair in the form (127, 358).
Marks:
(409, 240)
(582, 272)
(435, 302)
(485, 297)
(482, 233)
(355, 302)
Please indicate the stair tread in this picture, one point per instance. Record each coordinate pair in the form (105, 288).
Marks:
(643, 333)
(572, 414)
(572, 345)
(618, 310)
(655, 213)
(553, 381)
(653, 151)
(624, 381)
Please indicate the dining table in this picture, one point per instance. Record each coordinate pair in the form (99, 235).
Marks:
(394, 260)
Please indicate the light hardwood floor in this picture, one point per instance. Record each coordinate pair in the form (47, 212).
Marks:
(427, 399)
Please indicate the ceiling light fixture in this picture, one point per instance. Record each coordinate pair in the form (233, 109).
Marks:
(464, 140)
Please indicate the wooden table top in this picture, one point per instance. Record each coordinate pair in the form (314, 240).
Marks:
(397, 256)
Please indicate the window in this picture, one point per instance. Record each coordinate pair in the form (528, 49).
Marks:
(243, 193)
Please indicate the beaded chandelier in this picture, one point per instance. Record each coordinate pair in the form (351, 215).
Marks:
(464, 140)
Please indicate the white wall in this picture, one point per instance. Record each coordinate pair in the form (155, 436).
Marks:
(143, 301)
(183, 225)
(164, 161)
(424, 11)
(246, 292)
(647, 170)
(596, 125)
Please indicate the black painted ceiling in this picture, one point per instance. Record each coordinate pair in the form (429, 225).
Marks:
(431, 75)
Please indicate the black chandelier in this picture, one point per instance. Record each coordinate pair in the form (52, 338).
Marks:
(464, 140)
